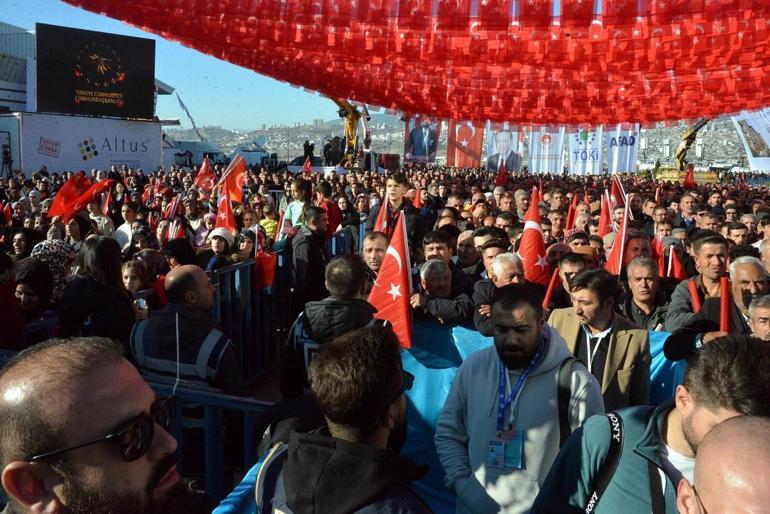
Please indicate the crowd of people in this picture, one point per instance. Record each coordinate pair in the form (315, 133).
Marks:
(555, 416)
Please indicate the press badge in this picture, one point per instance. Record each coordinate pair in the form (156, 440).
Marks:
(506, 452)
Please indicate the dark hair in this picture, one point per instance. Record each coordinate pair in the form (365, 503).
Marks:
(371, 236)
(571, 258)
(324, 188)
(509, 297)
(735, 225)
(102, 261)
(731, 372)
(495, 243)
(313, 214)
(453, 231)
(744, 251)
(709, 239)
(304, 187)
(399, 178)
(37, 275)
(58, 362)
(346, 276)
(506, 215)
(578, 235)
(182, 251)
(483, 231)
(599, 281)
(141, 270)
(437, 236)
(356, 377)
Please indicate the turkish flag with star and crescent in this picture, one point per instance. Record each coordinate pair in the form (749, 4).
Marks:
(206, 178)
(233, 178)
(464, 144)
(532, 246)
(393, 286)
(225, 215)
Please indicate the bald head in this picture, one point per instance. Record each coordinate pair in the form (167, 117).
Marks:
(732, 469)
(43, 378)
(189, 285)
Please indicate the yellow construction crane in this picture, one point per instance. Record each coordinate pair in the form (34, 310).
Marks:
(351, 114)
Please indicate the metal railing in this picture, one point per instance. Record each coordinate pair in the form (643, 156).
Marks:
(214, 406)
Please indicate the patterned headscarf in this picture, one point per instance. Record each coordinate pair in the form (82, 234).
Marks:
(59, 256)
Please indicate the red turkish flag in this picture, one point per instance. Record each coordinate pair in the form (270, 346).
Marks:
(417, 203)
(576, 14)
(535, 13)
(172, 208)
(571, 213)
(307, 167)
(675, 266)
(617, 197)
(689, 178)
(532, 246)
(106, 201)
(615, 258)
(605, 223)
(393, 286)
(68, 194)
(232, 179)
(225, 215)
(658, 255)
(90, 195)
(8, 213)
(463, 144)
(381, 223)
(206, 178)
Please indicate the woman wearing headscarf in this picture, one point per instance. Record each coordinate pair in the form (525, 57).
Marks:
(58, 256)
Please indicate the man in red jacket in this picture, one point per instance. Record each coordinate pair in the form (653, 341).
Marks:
(325, 202)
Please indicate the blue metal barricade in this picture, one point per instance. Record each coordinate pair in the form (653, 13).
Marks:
(214, 406)
(256, 320)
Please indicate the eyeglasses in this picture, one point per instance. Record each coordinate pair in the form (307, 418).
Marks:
(134, 437)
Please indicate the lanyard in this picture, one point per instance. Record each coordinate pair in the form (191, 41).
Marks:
(502, 401)
(592, 354)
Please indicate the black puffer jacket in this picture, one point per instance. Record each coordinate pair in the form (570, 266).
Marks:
(318, 323)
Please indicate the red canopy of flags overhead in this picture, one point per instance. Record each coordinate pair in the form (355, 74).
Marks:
(499, 60)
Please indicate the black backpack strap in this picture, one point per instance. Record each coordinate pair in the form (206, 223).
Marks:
(564, 393)
(657, 499)
(610, 462)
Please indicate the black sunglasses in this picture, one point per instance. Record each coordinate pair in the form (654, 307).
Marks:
(134, 437)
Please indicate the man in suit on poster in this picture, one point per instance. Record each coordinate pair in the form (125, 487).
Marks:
(422, 143)
(504, 146)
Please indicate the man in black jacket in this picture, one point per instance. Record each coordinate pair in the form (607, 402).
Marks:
(396, 187)
(309, 258)
(352, 464)
(435, 297)
(345, 310)
(749, 281)
(507, 268)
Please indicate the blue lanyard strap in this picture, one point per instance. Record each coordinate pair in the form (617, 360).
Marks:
(502, 401)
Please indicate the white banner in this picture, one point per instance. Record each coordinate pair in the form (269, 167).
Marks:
(72, 143)
(502, 143)
(754, 130)
(546, 150)
(622, 148)
(585, 152)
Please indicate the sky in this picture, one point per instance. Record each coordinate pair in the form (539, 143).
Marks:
(216, 92)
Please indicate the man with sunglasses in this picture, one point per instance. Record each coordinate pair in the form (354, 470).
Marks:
(82, 433)
(732, 470)
(352, 464)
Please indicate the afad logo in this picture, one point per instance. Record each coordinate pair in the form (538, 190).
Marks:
(87, 149)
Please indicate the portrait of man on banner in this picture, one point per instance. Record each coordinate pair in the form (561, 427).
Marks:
(421, 139)
(502, 146)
